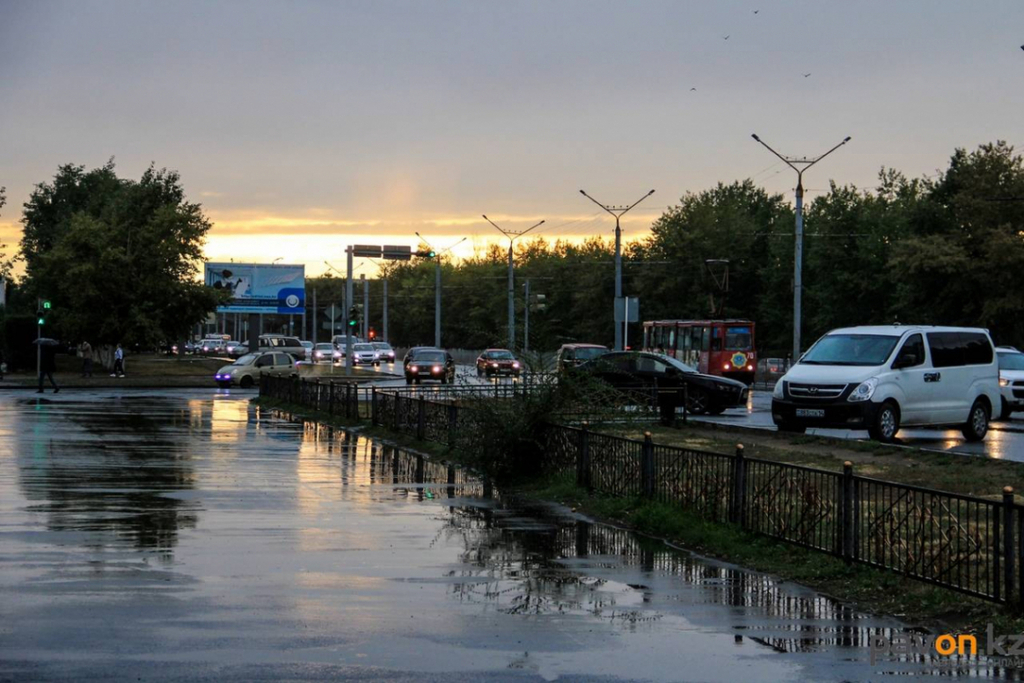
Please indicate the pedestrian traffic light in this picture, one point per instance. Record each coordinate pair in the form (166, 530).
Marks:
(46, 305)
(41, 321)
(353, 316)
(41, 311)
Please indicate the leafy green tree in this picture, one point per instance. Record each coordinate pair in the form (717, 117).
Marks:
(118, 258)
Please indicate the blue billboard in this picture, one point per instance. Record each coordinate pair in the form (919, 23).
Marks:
(259, 287)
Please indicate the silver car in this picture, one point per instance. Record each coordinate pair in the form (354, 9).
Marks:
(385, 353)
(365, 354)
(245, 372)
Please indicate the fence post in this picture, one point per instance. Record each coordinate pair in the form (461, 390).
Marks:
(647, 466)
(348, 402)
(846, 515)
(737, 501)
(421, 418)
(583, 459)
(397, 421)
(330, 397)
(453, 416)
(316, 394)
(1008, 542)
(373, 405)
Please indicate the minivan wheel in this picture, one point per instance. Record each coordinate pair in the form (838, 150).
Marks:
(886, 423)
(977, 422)
(245, 382)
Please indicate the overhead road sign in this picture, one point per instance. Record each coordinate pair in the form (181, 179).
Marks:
(366, 250)
(397, 252)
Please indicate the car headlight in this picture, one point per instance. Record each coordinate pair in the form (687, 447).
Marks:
(413, 368)
(515, 365)
(436, 368)
(494, 365)
(777, 391)
(1004, 382)
(864, 391)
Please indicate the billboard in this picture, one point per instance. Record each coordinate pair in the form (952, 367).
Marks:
(259, 287)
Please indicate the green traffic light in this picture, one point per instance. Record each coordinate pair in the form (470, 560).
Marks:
(46, 305)
(41, 321)
(352, 323)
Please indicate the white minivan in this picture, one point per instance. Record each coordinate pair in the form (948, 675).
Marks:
(886, 377)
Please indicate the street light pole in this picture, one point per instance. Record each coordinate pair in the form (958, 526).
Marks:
(348, 307)
(618, 212)
(437, 285)
(512, 235)
(799, 164)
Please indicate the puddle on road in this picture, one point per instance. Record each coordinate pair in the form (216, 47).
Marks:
(158, 477)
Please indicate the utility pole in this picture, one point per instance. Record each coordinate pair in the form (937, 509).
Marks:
(618, 212)
(526, 317)
(385, 326)
(799, 164)
(366, 307)
(348, 307)
(314, 317)
(512, 236)
(437, 285)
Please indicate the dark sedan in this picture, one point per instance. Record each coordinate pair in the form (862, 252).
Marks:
(497, 362)
(432, 364)
(668, 381)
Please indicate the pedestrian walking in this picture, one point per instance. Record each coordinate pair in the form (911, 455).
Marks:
(47, 366)
(118, 362)
(85, 351)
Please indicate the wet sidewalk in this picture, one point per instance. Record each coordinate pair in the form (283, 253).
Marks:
(192, 536)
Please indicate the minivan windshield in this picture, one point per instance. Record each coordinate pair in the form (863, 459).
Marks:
(1011, 361)
(851, 349)
(247, 359)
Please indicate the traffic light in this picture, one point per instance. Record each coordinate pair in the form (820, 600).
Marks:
(41, 311)
(372, 334)
(539, 302)
(353, 316)
(426, 253)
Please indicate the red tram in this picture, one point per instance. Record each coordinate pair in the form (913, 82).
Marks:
(716, 347)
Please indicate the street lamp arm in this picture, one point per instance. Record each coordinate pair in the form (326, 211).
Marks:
(442, 253)
(638, 201)
(530, 228)
(827, 153)
(597, 202)
(766, 146)
(426, 241)
(495, 226)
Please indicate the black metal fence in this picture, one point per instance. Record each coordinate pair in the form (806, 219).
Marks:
(969, 544)
(965, 543)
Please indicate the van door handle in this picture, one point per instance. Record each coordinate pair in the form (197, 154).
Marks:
(932, 376)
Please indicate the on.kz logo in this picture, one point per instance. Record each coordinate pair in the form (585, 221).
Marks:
(292, 301)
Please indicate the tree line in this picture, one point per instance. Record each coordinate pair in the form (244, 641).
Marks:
(120, 260)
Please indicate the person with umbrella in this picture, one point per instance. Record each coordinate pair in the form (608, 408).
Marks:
(47, 362)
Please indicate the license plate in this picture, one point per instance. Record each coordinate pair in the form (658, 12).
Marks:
(810, 412)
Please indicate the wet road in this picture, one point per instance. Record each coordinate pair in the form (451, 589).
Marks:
(1005, 440)
(191, 535)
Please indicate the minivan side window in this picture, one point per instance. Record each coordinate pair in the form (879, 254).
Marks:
(947, 352)
(913, 346)
(977, 349)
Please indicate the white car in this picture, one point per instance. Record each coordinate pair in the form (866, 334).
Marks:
(308, 345)
(365, 354)
(385, 353)
(1011, 380)
(326, 353)
(245, 372)
(886, 377)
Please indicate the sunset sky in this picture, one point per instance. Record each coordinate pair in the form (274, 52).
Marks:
(305, 126)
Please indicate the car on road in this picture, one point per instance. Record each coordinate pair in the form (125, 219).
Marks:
(430, 364)
(213, 346)
(410, 355)
(572, 355)
(326, 352)
(234, 349)
(365, 354)
(667, 382)
(340, 340)
(245, 372)
(308, 345)
(497, 362)
(1011, 381)
(882, 378)
(280, 342)
(385, 352)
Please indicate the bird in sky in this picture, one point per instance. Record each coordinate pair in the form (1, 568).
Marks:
(693, 89)
(756, 11)
(1022, 47)
(806, 75)
(726, 37)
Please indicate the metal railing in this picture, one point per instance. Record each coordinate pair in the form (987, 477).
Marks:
(965, 543)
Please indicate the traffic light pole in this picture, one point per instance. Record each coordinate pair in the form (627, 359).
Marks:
(385, 310)
(526, 318)
(348, 301)
(39, 344)
(366, 308)
(437, 303)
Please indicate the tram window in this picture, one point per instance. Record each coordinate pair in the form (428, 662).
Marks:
(705, 339)
(671, 339)
(716, 338)
(738, 338)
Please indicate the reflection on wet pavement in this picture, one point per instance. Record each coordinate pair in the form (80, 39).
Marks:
(193, 535)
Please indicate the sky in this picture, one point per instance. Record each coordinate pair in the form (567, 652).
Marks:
(305, 126)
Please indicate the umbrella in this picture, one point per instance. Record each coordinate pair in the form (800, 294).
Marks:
(46, 341)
